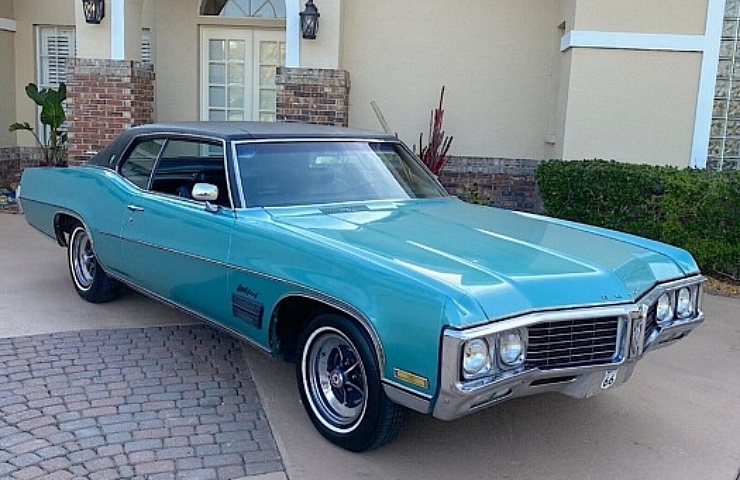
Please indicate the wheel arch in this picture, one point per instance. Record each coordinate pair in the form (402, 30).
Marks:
(292, 312)
(63, 224)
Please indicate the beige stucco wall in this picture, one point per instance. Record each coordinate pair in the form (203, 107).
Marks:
(496, 60)
(640, 16)
(634, 106)
(7, 85)
(6, 9)
(28, 14)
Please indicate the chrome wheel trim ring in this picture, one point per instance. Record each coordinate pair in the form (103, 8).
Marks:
(334, 380)
(83, 260)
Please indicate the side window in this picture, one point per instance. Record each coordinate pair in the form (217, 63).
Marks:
(140, 162)
(183, 163)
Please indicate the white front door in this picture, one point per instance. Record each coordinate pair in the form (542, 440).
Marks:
(238, 73)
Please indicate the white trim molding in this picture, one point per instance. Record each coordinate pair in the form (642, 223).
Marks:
(7, 24)
(632, 41)
(292, 33)
(707, 83)
(117, 30)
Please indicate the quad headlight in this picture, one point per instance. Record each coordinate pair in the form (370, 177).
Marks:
(476, 359)
(664, 311)
(494, 353)
(511, 348)
(684, 303)
(677, 304)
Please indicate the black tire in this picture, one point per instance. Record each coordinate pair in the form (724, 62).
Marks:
(89, 279)
(339, 383)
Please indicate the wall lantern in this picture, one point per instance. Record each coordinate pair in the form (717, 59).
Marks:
(310, 21)
(94, 10)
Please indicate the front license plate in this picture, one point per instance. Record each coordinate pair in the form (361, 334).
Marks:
(610, 378)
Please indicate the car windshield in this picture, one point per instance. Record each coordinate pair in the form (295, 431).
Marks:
(307, 173)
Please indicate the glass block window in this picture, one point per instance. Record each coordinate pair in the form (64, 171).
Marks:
(244, 8)
(55, 46)
(724, 142)
(146, 46)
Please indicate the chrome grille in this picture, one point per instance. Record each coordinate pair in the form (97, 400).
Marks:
(572, 343)
(651, 322)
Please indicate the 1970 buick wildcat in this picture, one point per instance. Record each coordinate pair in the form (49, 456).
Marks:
(336, 249)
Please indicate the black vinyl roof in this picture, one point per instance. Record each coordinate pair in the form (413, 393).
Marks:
(232, 131)
(257, 130)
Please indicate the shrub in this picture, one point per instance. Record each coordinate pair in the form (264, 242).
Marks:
(697, 210)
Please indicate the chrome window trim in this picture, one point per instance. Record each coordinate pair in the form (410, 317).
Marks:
(167, 136)
(237, 173)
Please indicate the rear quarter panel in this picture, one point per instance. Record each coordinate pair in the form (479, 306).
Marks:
(94, 195)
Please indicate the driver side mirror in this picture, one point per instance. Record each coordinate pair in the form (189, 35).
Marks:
(204, 192)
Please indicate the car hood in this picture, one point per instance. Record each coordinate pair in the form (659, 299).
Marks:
(508, 262)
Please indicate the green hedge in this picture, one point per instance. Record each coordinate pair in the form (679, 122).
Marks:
(694, 209)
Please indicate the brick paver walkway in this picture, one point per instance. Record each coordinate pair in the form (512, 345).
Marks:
(158, 403)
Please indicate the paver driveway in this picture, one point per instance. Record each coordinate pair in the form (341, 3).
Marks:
(157, 402)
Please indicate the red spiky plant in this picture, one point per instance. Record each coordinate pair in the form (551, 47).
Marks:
(434, 154)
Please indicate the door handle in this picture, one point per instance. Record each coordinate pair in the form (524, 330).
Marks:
(135, 208)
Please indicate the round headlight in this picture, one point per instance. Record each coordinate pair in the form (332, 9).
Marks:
(665, 308)
(511, 348)
(475, 357)
(684, 306)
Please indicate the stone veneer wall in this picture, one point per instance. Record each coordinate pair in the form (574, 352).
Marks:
(313, 95)
(104, 98)
(499, 182)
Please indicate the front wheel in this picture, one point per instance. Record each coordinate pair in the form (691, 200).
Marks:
(339, 383)
(90, 281)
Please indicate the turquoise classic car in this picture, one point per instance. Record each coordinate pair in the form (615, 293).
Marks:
(337, 250)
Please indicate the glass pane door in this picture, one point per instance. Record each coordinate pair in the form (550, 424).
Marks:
(227, 54)
(238, 73)
(270, 51)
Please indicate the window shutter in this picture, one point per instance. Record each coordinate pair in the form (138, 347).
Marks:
(56, 47)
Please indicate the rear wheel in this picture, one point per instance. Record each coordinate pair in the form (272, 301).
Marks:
(90, 281)
(339, 383)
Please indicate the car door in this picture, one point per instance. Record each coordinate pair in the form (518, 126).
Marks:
(173, 246)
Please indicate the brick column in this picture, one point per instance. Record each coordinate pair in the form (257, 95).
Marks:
(104, 98)
(313, 95)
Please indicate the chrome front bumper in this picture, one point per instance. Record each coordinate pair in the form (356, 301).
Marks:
(458, 397)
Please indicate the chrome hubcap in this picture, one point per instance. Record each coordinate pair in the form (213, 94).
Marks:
(83, 260)
(336, 378)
